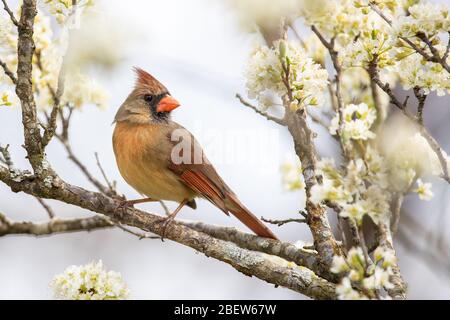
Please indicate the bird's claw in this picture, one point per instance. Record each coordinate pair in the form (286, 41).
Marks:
(165, 223)
(124, 205)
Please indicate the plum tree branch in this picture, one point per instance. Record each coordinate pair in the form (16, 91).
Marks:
(434, 57)
(374, 75)
(269, 268)
(8, 72)
(265, 115)
(10, 13)
(303, 137)
(54, 226)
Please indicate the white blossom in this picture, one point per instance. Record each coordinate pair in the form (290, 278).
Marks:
(5, 99)
(414, 71)
(423, 190)
(292, 176)
(385, 256)
(339, 265)
(63, 9)
(345, 291)
(357, 121)
(265, 73)
(424, 17)
(89, 282)
(379, 279)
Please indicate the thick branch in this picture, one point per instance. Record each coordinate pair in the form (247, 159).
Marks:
(271, 269)
(54, 226)
(285, 250)
(24, 87)
(384, 238)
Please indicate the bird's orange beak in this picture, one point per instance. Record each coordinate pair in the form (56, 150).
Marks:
(167, 104)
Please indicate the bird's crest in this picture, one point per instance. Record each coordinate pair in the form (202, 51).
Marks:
(145, 80)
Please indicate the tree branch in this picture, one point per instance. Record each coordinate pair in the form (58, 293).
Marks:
(384, 238)
(269, 268)
(283, 222)
(24, 88)
(340, 103)
(103, 189)
(55, 226)
(4, 152)
(435, 54)
(46, 207)
(421, 98)
(373, 72)
(265, 115)
(8, 72)
(10, 13)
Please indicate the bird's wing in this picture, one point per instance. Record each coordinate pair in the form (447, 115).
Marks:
(202, 177)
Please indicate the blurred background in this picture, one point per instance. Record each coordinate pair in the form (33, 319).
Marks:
(198, 49)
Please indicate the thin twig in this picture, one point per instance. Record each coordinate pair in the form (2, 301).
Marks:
(265, 115)
(8, 72)
(105, 177)
(165, 208)
(10, 13)
(49, 130)
(432, 58)
(283, 222)
(318, 120)
(396, 210)
(373, 72)
(337, 91)
(421, 98)
(297, 35)
(140, 235)
(103, 189)
(47, 208)
(6, 157)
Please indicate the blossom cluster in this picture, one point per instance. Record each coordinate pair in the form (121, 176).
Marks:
(415, 71)
(360, 191)
(89, 282)
(365, 185)
(47, 62)
(63, 10)
(358, 271)
(424, 18)
(357, 121)
(267, 72)
(292, 176)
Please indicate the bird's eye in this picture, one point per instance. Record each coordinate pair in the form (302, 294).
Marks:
(148, 98)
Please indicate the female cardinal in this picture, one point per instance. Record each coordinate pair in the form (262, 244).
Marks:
(144, 149)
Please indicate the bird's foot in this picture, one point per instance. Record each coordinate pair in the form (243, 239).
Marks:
(165, 223)
(124, 205)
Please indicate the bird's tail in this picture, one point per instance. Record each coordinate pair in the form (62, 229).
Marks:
(249, 219)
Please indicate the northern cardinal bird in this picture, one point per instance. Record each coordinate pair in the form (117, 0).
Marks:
(143, 148)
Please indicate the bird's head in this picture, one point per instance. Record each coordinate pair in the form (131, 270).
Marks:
(150, 101)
